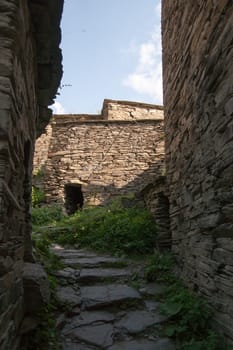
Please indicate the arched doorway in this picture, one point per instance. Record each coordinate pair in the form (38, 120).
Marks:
(73, 198)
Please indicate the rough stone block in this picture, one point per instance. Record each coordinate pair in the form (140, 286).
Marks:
(36, 288)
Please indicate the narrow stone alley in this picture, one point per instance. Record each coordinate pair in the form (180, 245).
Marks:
(107, 304)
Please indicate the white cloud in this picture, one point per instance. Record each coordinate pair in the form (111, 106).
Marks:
(58, 108)
(158, 8)
(147, 76)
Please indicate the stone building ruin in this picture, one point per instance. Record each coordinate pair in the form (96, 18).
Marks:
(198, 98)
(89, 159)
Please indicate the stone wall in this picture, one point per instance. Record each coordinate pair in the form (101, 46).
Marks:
(20, 87)
(155, 196)
(128, 110)
(198, 98)
(106, 157)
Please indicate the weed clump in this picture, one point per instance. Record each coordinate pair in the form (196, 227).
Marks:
(189, 314)
(114, 228)
(46, 215)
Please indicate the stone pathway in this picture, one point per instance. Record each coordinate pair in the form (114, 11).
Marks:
(100, 308)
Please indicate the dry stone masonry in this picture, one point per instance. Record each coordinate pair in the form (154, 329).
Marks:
(198, 98)
(91, 158)
(30, 71)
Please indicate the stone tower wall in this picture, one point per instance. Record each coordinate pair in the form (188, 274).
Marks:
(198, 98)
(107, 157)
(20, 117)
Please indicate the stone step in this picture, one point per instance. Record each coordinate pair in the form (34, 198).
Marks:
(99, 274)
(72, 253)
(138, 320)
(76, 346)
(100, 328)
(100, 335)
(91, 261)
(68, 296)
(68, 275)
(95, 297)
(103, 314)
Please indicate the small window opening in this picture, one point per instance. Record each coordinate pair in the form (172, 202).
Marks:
(73, 198)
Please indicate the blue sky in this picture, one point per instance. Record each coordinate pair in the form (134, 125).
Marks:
(111, 49)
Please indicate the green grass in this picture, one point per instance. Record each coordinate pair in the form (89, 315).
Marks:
(38, 196)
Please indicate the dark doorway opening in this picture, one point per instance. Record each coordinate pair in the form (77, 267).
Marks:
(73, 198)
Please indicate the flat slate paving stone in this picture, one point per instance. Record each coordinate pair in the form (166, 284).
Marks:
(87, 318)
(160, 344)
(98, 335)
(137, 321)
(92, 261)
(97, 296)
(96, 274)
(68, 295)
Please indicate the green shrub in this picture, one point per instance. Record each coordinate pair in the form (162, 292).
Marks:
(189, 314)
(42, 216)
(159, 267)
(39, 173)
(113, 228)
(38, 196)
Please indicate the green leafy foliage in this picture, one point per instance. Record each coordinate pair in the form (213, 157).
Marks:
(46, 215)
(50, 261)
(113, 228)
(39, 173)
(211, 342)
(159, 267)
(189, 314)
(38, 196)
(120, 227)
